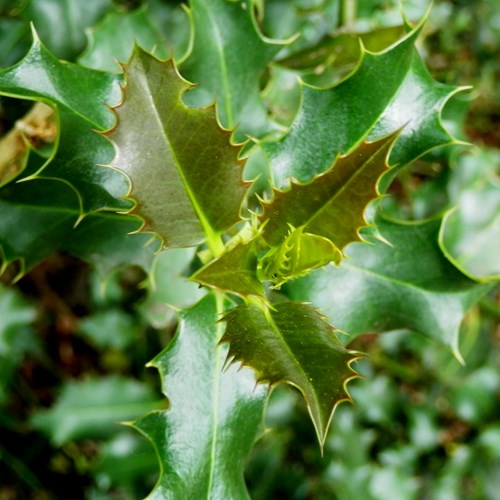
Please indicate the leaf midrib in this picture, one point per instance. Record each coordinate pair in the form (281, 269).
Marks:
(345, 185)
(205, 225)
(296, 362)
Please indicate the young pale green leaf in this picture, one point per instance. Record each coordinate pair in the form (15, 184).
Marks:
(293, 344)
(333, 121)
(114, 39)
(299, 254)
(93, 408)
(407, 284)
(227, 59)
(62, 23)
(214, 417)
(80, 95)
(234, 271)
(332, 205)
(185, 175)
(47, 210)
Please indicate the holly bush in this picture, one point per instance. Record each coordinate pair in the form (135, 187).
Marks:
(246, 192)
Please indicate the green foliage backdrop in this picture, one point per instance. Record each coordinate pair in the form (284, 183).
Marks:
(242, 195)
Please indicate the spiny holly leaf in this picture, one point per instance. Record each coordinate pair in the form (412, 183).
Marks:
(293, 344)
(332, 205)
(185, 177)
(214, 416)
(234, 271)
(80, 95)
(114, 39)
(62, 23)
(42, 214)
(407, 284)
(41, 76)
(417, 109)
(227, 59)
(332, 121)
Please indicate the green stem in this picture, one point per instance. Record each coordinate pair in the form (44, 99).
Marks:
(347, 13)
(490, 307)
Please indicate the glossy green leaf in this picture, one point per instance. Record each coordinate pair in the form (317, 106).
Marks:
(214, 417)
(113, 40)
(185, 177)
(471, 230)
(227, 59)
(48, 211)
(417, 109)
(234, 271)
(333, 121)
(332, 205)
(80, 95)
(407, 283)
(93, 408)
(62, 23)
(293, 344)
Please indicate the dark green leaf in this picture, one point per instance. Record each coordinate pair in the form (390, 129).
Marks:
(407, 283)
(80, 95)
(215, 414)
(48, 210)
(333, 121)
(227, 59)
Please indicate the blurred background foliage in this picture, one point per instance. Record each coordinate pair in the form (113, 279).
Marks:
(73, 349)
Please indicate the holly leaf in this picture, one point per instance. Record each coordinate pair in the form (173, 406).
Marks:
(338, 118)
(332, 205)
(406, 284)
(62, 23)
(227, 59)
(416, 109)
(47, 210)
(234, 271)
(92, 408)
(294, 344)
(201, 442)
(114, 39)
(467, 234)
(197, 188)
(80, 95)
